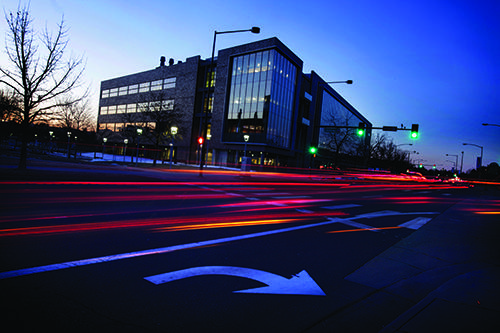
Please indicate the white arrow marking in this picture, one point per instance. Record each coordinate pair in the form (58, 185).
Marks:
(300, 284)
(415, 223)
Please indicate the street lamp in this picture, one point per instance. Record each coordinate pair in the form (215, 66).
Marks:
(139, 132)
(104, 140)
(480, 162)
(173, 130)
(346, 82)
(125, 149)
(254, 30)
(456, 160)
(484, 124)
(246, 137)
(69, 137)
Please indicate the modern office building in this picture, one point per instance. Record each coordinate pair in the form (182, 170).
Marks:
(258, 102)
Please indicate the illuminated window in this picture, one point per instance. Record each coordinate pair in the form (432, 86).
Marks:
(122, 91)
(104, 110)
(112, 109)
(169, 83)
(144, 87)
(261, 97)
(131, 108)
(156, 85)
(168, 105)
(133, 89)
(121, 108)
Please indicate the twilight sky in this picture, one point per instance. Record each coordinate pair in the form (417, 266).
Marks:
(431, 62)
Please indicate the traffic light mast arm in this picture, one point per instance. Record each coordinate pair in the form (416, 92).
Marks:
(384, 128)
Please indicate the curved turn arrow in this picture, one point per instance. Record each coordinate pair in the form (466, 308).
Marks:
(299, 284)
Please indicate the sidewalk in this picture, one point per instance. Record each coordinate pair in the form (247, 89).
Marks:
(445, 277)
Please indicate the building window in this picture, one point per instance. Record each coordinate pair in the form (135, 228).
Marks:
(105, 93)
(104, 110)
(168, 105)
(112, 109)
(169, 83)
(131, 108)
(156, 85)
(210, 77)
(133, 89)
(122, 108)
(113, 92)
(144, 87)
(122, 91)
(261, 99)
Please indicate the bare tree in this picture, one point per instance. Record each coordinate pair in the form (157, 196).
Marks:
(39, 73)
(9, 106)
(159, 114)
(75, 115)
(334, 136)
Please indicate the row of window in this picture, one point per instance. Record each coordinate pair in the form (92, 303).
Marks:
(140, 88)
(164, 105)
(118, 127)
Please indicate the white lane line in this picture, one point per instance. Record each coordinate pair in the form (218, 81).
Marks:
(341, 206)
(415, 223)
(85, 262)
(305, 211)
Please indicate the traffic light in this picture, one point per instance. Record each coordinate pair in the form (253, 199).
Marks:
(361, 129)
(414, 131)
(434, 166)
(420, 165)
(200, 140)
(313, 150)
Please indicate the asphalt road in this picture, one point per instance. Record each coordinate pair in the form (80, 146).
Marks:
(128, 250)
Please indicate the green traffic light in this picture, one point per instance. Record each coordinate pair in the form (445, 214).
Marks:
(361, 132)
(414, 135)
(313, 150)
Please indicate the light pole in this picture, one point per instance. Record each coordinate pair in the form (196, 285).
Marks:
(456, 160)
(244, 161)
(484, 124)
(51, 133)
(346, 82)
(69, 137)
(139, 132)
(480, 162)
(104, 140)
(125, 149)
(254, 30)
(173, 130)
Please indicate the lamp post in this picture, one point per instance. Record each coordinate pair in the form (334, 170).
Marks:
(254, 30)
(484, 124)
(480, 162)
(456, 160)
(173, 130)
(104, 140)
(51, 133)
(125, 149)
(69, 137)
(346, 82)
(139, 132)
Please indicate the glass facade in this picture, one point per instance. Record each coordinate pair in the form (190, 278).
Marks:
(334, 113)
(260, 104)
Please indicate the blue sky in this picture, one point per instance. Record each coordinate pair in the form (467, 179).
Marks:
(431, 62)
